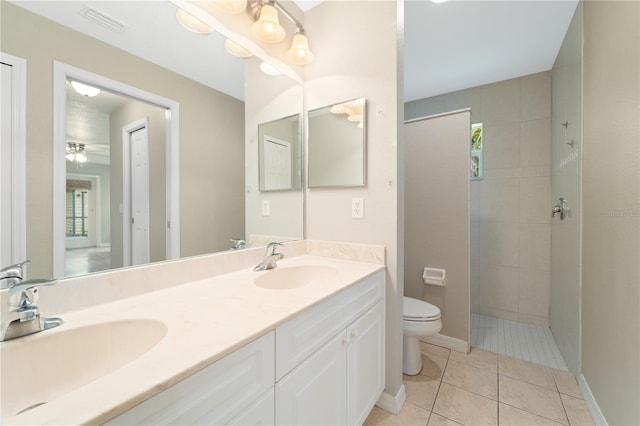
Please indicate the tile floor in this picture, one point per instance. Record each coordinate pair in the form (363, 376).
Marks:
(85, 260)
(515, 339)
(485, 388)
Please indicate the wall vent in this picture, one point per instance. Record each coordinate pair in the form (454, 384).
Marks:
(103, 20)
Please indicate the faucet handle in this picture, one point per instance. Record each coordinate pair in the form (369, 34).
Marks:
(25, 294)
(272, 247)
(16, 269)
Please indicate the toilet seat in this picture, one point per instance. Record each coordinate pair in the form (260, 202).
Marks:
(419, 311)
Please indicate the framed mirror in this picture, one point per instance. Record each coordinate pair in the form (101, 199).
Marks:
(337, 145)
(279, 148)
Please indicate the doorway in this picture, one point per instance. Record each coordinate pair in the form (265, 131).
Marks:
(168, 238)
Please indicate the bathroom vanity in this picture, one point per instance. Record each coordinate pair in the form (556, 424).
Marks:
(303, 343)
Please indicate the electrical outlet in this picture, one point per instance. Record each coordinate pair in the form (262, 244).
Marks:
(357, 208)
(266, 208)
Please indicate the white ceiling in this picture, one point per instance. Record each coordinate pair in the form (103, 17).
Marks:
(448, 46)
(461, 44)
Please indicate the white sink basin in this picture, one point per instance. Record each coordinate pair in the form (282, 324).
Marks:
(290, 277)
(44, 366)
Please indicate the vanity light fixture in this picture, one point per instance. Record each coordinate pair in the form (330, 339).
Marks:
(236, 50)
(85, 89)
(192, 23)
(299, 52)
(230, 6)
(76, 152)
(267, 28)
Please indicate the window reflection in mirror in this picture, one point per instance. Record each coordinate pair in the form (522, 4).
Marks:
(279, 150)
(337, 144)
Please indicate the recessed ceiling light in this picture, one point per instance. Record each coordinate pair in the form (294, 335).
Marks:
(85, 89)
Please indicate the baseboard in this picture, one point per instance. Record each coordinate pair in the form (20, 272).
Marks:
(104, 245)
(448, 342)
(391, 403)
(592, 405)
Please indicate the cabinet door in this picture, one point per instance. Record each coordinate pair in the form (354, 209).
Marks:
(261, 412)
(213, 395)
(365, 366)
(315, 392)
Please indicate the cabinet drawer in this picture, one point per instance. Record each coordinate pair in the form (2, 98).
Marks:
(303, 335)
(214, 395)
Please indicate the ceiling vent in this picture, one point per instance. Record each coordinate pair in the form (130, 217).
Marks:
(103, 20)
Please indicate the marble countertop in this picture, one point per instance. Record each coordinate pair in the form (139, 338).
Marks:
(205, 320)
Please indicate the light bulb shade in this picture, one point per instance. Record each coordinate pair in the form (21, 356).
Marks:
(85, 89)
(230, 6)
(71, 156)
(81, 158)
(269, 69)
(236, 50)
(191, 23)
(299, 52)
(267, 28)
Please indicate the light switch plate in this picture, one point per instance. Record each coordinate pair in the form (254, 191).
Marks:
(266, 208)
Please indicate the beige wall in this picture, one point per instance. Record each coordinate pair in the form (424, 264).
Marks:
(437, 192)
(510, 220)
(211, 133)
(348, 38)
(566, 101)
(611, 208)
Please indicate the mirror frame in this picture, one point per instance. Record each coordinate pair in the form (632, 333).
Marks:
(63, 72)
(363, 142)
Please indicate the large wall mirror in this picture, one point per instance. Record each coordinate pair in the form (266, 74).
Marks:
(216, 182)
(337, 144)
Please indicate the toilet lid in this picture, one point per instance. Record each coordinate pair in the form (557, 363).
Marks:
(418, 309)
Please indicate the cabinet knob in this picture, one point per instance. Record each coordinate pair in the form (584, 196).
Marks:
(354, 334)
(345, 340)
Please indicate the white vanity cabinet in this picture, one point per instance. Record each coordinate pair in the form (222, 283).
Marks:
(237, 389)
(343, 376)
(324, 366)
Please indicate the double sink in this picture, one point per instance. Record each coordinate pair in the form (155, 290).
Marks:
(43, 367)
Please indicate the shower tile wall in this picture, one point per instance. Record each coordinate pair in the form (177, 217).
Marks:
(510, 208)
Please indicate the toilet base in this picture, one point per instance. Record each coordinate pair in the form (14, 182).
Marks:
(411, 356)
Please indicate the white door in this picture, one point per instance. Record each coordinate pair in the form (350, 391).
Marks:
(277, 163)
(12, 160)
(139, 155)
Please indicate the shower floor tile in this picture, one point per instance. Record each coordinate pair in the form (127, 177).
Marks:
(528, 342)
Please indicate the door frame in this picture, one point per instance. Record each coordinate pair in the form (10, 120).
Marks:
(18, 157)
(126, 187)
(62, 72)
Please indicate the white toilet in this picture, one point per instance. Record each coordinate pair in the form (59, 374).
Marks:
(420, 319)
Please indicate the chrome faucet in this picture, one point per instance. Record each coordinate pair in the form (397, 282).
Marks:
(270, 258)
(12, 274)
(238, 244)
(24, 316)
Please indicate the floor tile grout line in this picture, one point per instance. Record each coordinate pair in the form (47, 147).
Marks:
(535, 414)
